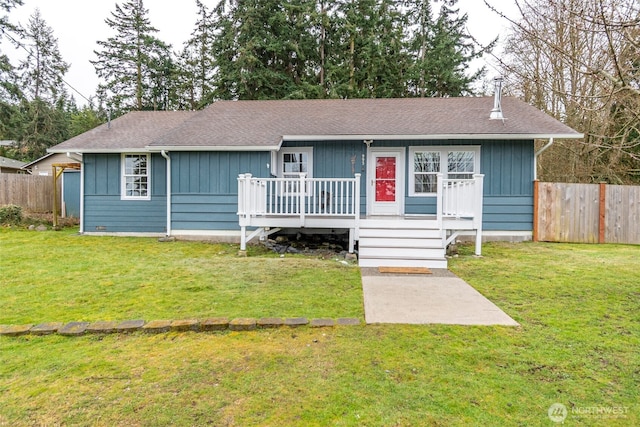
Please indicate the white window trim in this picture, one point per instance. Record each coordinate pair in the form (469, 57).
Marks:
(444, 156)
(309, 174)
(289, 150)
(123, 185)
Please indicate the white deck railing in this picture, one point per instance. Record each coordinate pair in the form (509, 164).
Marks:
(299, 197)
(461, 199)
(264, 202)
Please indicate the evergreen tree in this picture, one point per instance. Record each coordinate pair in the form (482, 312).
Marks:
(83, 119)
(42, 72)
(441, 52)
(265, 49)
(196, 64)
(367, 57)
(134, 65)
(41, 125)
(420, 21)
(9, 91)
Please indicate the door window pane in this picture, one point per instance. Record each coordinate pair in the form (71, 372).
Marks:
(385, 179)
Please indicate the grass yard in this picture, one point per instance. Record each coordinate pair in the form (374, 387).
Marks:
(578, 344)
(61, 276)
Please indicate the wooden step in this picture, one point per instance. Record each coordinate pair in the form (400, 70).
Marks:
(408, 233)
(401, 243)
(404, 270)
(398, 253)
(399, 224)
(428, 263)
(379, 242)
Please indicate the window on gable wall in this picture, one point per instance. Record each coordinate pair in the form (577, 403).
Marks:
(458, 162)
(136, 178)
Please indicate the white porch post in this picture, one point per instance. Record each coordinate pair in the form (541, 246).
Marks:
(302, 197)
(354, 233)
(477, 217)
(439, 207)
(244, 207)
(439, 196)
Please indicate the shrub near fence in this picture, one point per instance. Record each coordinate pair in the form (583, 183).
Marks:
(31, 192)
(586, 213)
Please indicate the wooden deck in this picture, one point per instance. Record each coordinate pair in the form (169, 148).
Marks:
(270, 204)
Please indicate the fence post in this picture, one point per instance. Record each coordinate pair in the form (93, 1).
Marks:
(536, 207)
(602, 213)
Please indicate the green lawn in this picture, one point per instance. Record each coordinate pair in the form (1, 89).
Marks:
(61, 276)
(578, 344)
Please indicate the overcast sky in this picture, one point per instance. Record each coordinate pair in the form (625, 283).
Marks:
(78, 24)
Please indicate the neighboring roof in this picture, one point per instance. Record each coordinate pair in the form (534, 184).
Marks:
(133, 131)
(36, 161)
(263, 125)
(8, 163)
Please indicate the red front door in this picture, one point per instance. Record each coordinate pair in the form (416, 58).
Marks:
(386, 186)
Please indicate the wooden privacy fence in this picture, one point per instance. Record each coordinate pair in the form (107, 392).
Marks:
(31, 192)
(586, 213)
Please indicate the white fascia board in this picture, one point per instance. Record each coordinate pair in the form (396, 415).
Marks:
(304, 138)
(214, 148)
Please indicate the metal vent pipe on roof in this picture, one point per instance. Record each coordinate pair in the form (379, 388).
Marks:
(496, 113)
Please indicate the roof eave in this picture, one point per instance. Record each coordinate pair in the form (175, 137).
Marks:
(501, 136)
(158, 148)
(98, 150)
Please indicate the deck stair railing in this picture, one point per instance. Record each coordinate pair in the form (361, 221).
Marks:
(461, 199)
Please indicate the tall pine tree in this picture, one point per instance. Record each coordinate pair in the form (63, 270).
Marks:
(42, 71)
(265, 50)
(196, 63)
(9, 90)
(441, 52)
(134, 65)
(367, 57)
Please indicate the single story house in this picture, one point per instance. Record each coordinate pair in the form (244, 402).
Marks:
(403, 176)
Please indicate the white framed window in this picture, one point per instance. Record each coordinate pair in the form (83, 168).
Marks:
(296, 160)
(454, 162)
(293, 161)
(136, 177)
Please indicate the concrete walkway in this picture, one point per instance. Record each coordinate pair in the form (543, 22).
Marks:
(441, 297)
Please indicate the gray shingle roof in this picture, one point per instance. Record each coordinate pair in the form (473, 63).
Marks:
(131, 132)
(8, 163)
(264, 124)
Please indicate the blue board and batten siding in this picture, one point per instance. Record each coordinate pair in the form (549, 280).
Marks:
(204, 185)
(507, 166)
(508, 185)
(104, 211)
